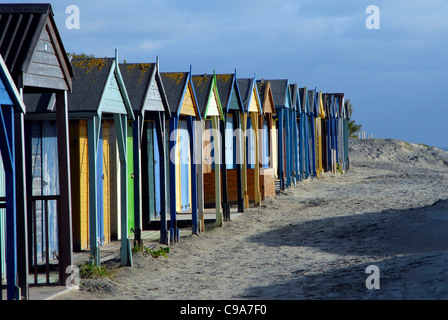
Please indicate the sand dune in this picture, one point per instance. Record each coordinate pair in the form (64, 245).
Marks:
(316, 240)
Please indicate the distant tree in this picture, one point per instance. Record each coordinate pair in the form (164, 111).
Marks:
(353, 128)
(75, 55)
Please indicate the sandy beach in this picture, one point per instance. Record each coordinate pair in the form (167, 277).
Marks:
(315, 240)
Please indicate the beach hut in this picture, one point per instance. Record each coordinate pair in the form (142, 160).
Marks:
(304, 142)
(267, 137)
(320, 115)
(150, 105)
(282, 99)
(232, 143)
(340, 120)
(212, 115)
(251, 145)
(183, 152)
(35, 57)
(100, 121)
(295, 125)
(10, 103)
(311, 100)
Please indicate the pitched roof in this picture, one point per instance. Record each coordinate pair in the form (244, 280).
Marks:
(303, 98)
(225, 83)
(174, 84)
(202, 87)
(262, 86)
(91, 75)
(245, 86)
(279, 89)
(137, 77)
(20, 28)
(295, 101)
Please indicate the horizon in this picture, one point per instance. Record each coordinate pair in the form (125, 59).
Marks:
(394, 76)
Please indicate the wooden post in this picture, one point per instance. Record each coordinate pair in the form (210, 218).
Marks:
(7, 150)
(160, 129)
(200, 126)
(280, 149)
(239, 162)
(121, 128)
(65, 201)
(254, 120)
(92, 136)
(21, 209)
(225, 202)
(216, 146)
(194, 177)
(137, 139)
(174, 125)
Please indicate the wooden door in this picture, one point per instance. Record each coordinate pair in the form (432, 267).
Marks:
(184, 151)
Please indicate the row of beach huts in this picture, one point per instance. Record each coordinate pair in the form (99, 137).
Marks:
(94, 150)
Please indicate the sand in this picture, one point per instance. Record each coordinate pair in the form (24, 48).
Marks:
(315, 240)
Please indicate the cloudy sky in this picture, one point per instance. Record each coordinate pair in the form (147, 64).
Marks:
(396, 77)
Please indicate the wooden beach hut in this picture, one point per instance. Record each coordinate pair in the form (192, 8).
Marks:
(282, 99)
(10, 103)
(267, 140)
(100, 121)
(320, 115)
(209, 103)
(182, 150)
(311, 100)
(251, 145)
(35, 57)
(295, 103)
(232, 143)
(304, 142)
(150, 105)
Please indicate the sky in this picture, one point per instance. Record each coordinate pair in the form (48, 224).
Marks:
(396, 77)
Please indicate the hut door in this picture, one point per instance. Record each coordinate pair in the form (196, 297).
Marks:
(156, 172)
(130, 182)
(45, 181)
(250, 144)
(150, 178)
(229, 152)
(184, 151)
(100, 191)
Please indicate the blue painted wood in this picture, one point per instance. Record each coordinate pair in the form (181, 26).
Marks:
(281, 148)
(164, 195)
(265, 154)
(194, 177)
(288, 147)
(250, 143)
(184, 145)
(5, 99)
(92, 129)
(100, 189)
(50, 180)
(7, 150)
(173, 125)
(296, 146)
(230, 154)
(157, 180)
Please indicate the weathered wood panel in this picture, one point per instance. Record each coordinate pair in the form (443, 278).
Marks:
(213, 108)
(113, 100)
(153, 100)
(254, 105)
(187, 107)
(44, 69)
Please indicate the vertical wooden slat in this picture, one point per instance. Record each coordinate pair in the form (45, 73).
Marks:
(65, 255)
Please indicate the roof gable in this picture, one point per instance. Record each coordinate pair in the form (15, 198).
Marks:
(144, 86)
(207, 95)
(180, 93)
(229, 92)
(249, 95)
(280, 92)
(31, 45)
(99, 87)
(266, 97)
